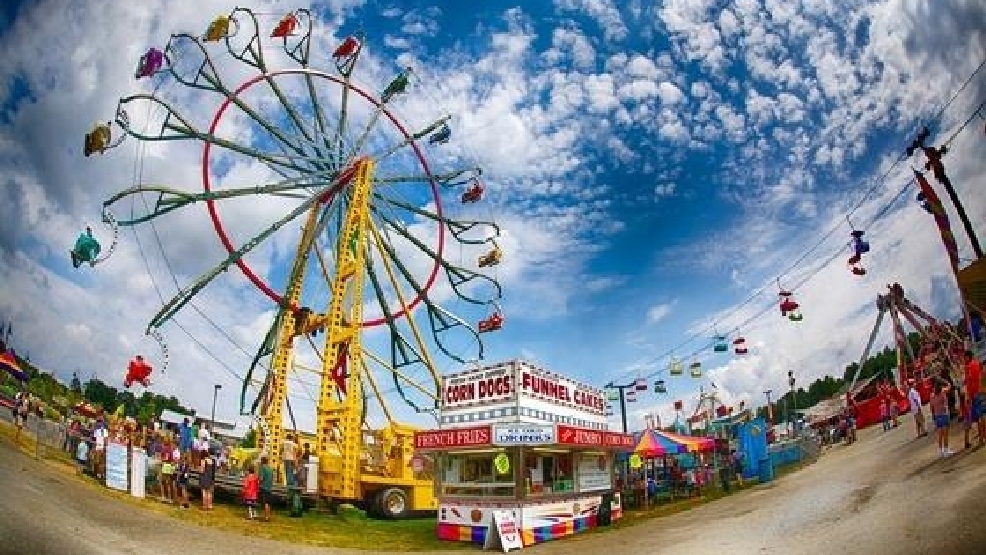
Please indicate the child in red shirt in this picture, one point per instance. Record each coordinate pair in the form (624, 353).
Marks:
(251, 489)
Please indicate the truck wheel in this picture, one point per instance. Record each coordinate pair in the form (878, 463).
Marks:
(394, 504)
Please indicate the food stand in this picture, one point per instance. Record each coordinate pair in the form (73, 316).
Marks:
(514, 437)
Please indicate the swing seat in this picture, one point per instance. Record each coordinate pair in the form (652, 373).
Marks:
(285, 27)
(788, 306)
(86, 250)
(395, 87)
(739, 341)
(150, 63)
(784, 293)
(854, 259)
(676, 368)
(347, 48)
(491, 258)
(720, 348)
(741, 350)
(858, 270)
(441, 136)
(217, 30)
(493, 323)
(795, 317)
(474, 194)
(138, 371)
(97, 140)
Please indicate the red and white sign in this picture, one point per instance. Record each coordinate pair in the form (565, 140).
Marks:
(479, 387)
(454, 438)
(570, 435)
(539, 384)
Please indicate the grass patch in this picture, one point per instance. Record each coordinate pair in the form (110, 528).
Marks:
(349, 528)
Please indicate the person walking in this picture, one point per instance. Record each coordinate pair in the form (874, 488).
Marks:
(975, 410)
(266, 487)
(941, 416)
(207, 480)
(914, 400)
(289, 456)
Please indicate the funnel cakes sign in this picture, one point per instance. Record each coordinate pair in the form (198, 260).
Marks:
(505, 382)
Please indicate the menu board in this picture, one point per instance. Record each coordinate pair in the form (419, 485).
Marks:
(116, 466)
(593, 472)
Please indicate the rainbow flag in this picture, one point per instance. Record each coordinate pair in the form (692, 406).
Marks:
(8, 362)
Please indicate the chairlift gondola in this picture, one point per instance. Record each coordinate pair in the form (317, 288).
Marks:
(695, 369)
(660, 386)
(640, 384)
(739, 346)
(676, 367)
(720, 344)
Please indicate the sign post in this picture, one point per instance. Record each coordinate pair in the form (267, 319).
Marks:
(503, 533)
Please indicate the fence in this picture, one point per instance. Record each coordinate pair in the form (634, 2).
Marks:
(48, 436)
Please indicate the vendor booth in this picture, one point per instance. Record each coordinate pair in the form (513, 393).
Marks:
(524, 442)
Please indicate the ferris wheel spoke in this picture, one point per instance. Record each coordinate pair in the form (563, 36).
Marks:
(377, 393)
(402, 377)
(177, 127)
(458, 277)
(440, 178)
(184, 296)
(442, 321)
(408, 141)
(266, 349)
(301, 48)
(386, 257)
(252, 44)
(458, 228)
(169, 199)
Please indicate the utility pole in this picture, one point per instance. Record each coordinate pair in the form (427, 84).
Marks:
(623, 400)
(770, 411)
(794, 402)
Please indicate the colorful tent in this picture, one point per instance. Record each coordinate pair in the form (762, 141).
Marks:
(8, 362)
(652, 445)
(691, 444)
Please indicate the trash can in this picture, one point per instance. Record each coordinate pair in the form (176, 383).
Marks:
(724, 477)
(604, 517)
(766, 470)
(295, 504)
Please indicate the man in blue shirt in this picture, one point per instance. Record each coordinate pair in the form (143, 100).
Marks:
(185, 437)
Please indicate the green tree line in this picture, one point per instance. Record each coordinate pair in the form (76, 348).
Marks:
(61, 397)
(878, 364)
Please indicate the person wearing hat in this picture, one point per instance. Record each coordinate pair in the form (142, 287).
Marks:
(914, 399)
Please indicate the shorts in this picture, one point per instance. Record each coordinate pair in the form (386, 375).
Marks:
(251, 502)
(976, 409)
(82, 463)
(941, 421)
(919, 417)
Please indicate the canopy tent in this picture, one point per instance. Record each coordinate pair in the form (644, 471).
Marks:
(650, 445)
(8, 362)
(657, 443)
(692, 444)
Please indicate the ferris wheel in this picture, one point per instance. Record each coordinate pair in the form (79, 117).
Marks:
(394, 258)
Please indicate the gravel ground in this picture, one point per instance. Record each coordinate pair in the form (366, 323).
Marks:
(887, 495)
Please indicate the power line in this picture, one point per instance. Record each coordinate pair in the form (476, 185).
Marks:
(707, 331)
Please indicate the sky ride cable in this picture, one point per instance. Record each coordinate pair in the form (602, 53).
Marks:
(866, 196)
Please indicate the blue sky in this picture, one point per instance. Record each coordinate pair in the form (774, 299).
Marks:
(654, 169)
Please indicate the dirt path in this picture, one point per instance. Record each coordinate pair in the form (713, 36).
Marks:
(886, 495)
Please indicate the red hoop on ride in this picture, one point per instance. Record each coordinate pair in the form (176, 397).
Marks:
(259, 282)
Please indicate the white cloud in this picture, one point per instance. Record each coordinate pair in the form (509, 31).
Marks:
(658, 312)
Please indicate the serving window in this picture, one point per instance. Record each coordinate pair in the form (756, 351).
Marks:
(548, 472)
(480, 474)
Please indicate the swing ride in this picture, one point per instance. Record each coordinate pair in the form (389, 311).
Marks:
(371, 278)
(940, 348)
